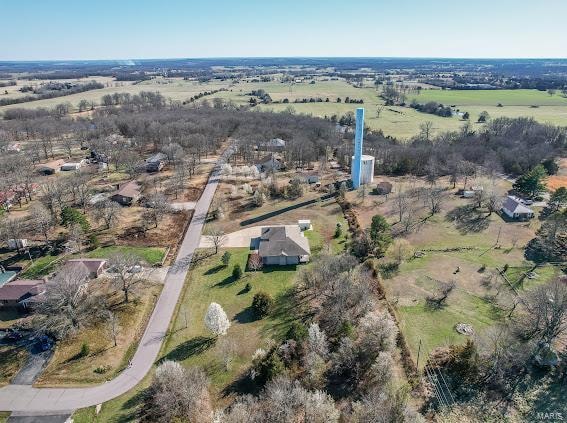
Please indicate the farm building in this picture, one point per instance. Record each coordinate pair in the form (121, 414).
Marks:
(156, 162)
(50, 168)
(127, 194)
(93, 266)
(283, 245)
(15, 293)
(515, 209)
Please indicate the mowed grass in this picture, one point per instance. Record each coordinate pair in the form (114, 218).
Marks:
(490, 98)
(151, 255)
(193, 345)
(436, 328)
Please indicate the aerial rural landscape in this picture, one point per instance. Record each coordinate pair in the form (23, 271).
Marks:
(267, 230)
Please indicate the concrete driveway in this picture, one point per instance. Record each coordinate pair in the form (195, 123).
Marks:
(240, 238)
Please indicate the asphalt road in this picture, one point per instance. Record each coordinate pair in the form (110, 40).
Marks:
(28, 399)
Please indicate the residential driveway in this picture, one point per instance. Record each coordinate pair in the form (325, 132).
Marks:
(241, 238)
(35, 364)
(49, 400)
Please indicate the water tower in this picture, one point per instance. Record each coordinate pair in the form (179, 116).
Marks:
(362, 169)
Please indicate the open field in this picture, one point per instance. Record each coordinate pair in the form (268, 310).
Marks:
(454, 250)
(402, 122)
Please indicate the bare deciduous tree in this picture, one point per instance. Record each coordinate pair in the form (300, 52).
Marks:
(217, 237)
(125, 268)
(107, 211)
(69, 304)
(179, 394)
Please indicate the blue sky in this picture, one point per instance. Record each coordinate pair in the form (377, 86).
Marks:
(122, 29)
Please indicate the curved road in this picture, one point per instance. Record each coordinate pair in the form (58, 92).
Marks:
(36, 400)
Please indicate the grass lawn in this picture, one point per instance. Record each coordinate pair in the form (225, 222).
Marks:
(437, 327)
(11, 360)
(152, 255)
(4, 416)
(105, 360)
(191, 343)
(119, 410)
(41, 266)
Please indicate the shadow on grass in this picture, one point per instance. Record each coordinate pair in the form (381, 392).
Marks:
(289, 307)
(133, 408)
(468, 219)
(246, 316)
(214, 270)
(242, 385)
(189, 348)
(225, 282)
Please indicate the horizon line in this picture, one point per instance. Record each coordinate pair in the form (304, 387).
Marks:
(279, 57)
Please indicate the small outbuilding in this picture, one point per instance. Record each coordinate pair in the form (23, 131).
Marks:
(71, 166)
(515, 209)
(127, 194)
(304, 224)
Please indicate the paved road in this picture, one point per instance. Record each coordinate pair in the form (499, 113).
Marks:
(29, 399)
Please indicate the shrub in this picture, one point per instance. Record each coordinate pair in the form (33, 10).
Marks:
(297, 331)
(85, 350)
(388, 269)
(70, 215)
(269, 367)
(338, 231)
(248, 287)
(225, 259)
(262, 304)
(93, 242)
(101, 369)
(236, 272)
(346, 330)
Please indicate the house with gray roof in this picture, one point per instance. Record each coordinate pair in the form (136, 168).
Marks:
(283, 245)
(515, 209)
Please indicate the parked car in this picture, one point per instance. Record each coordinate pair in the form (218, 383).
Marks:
(528, 202)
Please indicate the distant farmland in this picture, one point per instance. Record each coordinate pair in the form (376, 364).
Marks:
(401, 122)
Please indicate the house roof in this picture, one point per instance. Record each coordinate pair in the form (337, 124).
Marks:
(283, 241)
(130, 189)
(274, 142)
(15, 290)
(514, 205)
(158, 157)
(269, 158)
(92, 264)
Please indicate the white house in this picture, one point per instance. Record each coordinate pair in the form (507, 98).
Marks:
(514, 209)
